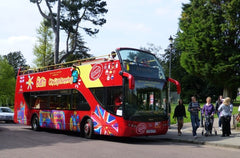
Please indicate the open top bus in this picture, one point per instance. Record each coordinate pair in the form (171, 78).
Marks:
(120, 94)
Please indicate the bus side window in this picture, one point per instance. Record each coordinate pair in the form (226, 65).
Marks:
(43, 102)
(37, 103)
(110, 98)
(79, 102)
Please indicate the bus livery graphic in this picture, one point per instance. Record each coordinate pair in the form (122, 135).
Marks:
(52, 119)
(21, 117)
(104, 122)
(75, 122)
(30, 82)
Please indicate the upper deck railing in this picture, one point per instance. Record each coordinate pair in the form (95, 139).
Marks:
(92, 60)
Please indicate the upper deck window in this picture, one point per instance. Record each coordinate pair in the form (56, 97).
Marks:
(141, 64)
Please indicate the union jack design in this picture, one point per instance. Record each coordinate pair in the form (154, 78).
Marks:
(104, 123)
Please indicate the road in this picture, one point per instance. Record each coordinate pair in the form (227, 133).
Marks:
(21, 142)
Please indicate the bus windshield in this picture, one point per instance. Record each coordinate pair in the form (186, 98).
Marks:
(141, 64)
(146, 101)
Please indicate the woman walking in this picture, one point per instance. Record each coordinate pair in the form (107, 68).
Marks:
(179, 113)
(226, 112)
(208, 112)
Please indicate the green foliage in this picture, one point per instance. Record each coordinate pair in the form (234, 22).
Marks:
(43, 50)
(7, 83)
(16, 60)
(76, 11)
(80, 52)
(190, 84)
(209, 41)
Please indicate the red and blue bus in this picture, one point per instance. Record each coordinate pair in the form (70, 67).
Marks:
(120, 95)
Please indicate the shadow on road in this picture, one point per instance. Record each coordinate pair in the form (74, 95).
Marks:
(132, 140)
(18, 136)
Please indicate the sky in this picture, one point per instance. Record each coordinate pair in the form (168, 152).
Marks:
(130, 23)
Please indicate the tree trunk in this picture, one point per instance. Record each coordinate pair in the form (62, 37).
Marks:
(56, 51)
(227, 92)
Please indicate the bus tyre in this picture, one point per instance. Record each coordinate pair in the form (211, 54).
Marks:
(35, 123)
(88, 129)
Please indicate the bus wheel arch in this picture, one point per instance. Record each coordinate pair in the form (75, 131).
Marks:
(87, 127)
(35, 122)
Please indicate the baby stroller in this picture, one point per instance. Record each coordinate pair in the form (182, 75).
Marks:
(208, 126)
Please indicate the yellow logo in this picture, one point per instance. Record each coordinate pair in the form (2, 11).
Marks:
(59, 81)
(41, 82)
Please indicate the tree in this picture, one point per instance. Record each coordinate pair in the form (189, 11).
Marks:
(80, 52)
(43, 50)
(209, 41)
(152, 48)
(68, 17)
(7, 83)
(16, 60)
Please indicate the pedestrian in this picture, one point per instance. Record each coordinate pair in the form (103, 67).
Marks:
(226, 112)
(180, 113)
(208, 111)
(194, 108)
(218, 103)
(208, 108)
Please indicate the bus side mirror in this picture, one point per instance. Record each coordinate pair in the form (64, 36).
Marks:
(131, 80)
(176, 83)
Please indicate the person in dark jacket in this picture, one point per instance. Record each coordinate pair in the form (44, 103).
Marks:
(180, 113)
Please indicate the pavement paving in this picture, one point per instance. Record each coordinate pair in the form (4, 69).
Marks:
(233, 141)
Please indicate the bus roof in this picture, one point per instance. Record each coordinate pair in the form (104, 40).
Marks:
(92, 60)
(85, 61)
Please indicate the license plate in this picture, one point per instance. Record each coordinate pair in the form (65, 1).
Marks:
(151, 131)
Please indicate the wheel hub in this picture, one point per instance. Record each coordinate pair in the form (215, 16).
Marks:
(87, 128)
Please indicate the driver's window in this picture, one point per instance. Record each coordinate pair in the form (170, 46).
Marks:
(110, 98)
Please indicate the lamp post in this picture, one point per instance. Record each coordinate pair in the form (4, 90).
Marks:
(170, 67)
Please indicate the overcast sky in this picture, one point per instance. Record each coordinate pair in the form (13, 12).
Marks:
(130, 23)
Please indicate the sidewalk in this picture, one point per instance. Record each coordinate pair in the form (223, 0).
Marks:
(232, 141)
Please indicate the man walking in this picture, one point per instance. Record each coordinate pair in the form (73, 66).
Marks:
(194, 108)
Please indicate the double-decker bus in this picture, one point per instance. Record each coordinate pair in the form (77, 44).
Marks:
(120, 95)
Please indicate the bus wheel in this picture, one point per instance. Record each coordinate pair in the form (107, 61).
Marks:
(88, 129)
(35, 123)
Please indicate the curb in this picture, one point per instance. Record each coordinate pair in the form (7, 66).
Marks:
(201, 143)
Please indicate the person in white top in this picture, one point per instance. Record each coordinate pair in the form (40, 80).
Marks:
(226, 112)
